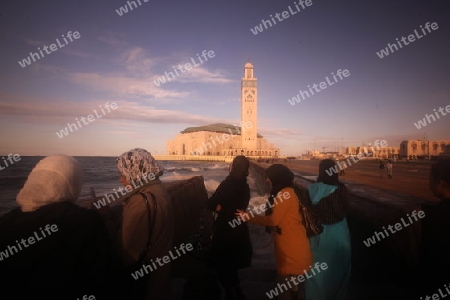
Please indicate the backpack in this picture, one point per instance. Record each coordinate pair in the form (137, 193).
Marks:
(310, 220)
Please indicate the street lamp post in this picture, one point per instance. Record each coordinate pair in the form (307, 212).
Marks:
(429, 157)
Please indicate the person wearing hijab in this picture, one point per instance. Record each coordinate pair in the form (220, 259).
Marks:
(293, 256)
(329, 198)
(50, 248)
(140, 174)
(231, 248)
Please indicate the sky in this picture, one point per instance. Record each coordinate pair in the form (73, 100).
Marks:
(116, 59)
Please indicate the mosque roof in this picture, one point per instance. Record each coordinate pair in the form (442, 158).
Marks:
(217, 127)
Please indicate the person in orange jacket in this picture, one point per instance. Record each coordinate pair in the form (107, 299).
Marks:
(292, 250)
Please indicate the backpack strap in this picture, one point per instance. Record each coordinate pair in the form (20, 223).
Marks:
(151, 223)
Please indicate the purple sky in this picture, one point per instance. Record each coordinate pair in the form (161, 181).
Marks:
(117, 58)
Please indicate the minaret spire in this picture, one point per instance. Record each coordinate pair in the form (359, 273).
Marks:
(249, 109)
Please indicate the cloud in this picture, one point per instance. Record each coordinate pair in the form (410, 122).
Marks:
(199, 74)
(132, 70)
(67, 50)
(112, 39)
(34, 42)
(74, 52)
(138, 61)
(122, 85)
(41, 111)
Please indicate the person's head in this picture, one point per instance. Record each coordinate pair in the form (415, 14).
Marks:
(136, 164)
(439, 180)
(55, 178)
(239, 167)
(326, 172)
(279, 176)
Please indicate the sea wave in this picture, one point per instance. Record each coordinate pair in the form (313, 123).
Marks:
(211, 185)
(183, 169)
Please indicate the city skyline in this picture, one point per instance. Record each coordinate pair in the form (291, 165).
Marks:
(64, 61)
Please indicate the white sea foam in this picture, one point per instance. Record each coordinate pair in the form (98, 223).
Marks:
(211, 185)
(258, 200)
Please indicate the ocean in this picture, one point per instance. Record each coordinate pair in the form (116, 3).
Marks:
(101, 174)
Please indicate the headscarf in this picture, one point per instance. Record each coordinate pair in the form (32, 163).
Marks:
(137, 163)
(55, 178)
(328, 165)
(239, 167)
(281, 177)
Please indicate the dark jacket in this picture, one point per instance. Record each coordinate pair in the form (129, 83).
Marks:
(231, 246)
(434, 260)
(134, 234)
(334, 207)
(74, 260)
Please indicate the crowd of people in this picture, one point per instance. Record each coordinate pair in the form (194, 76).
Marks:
(89, 256)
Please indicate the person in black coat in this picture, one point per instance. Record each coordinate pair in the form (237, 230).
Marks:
(50, 248)
(231, 247)
(434, 263)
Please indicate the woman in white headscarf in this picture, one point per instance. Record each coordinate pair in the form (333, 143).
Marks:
(140, 174)
(49, 246)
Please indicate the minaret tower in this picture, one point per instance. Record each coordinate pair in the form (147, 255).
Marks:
(249, 109)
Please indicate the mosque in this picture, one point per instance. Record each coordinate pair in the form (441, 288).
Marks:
(226, 139)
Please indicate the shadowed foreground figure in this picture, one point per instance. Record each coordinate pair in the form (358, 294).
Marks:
(329, 199)
(434, 264)
(65, 251)
(232, 249)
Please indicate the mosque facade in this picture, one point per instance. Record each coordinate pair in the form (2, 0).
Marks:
(227, 139)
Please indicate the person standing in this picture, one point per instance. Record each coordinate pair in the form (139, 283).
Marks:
(435, 246)
(231, 247)
(329, 198)
(389, 169)
(293, 255)
(137, 167)
(381, 167)
(342, 166)
(75, 258)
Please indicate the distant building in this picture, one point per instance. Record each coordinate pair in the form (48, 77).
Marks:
(377, 152)
(414, 149)
(225, 139)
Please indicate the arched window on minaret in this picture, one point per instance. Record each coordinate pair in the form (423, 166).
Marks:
(248, 70)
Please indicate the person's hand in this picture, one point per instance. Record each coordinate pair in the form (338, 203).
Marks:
(242, 215)
(218, 207)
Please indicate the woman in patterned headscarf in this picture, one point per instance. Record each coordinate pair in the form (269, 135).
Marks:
(140, 173)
